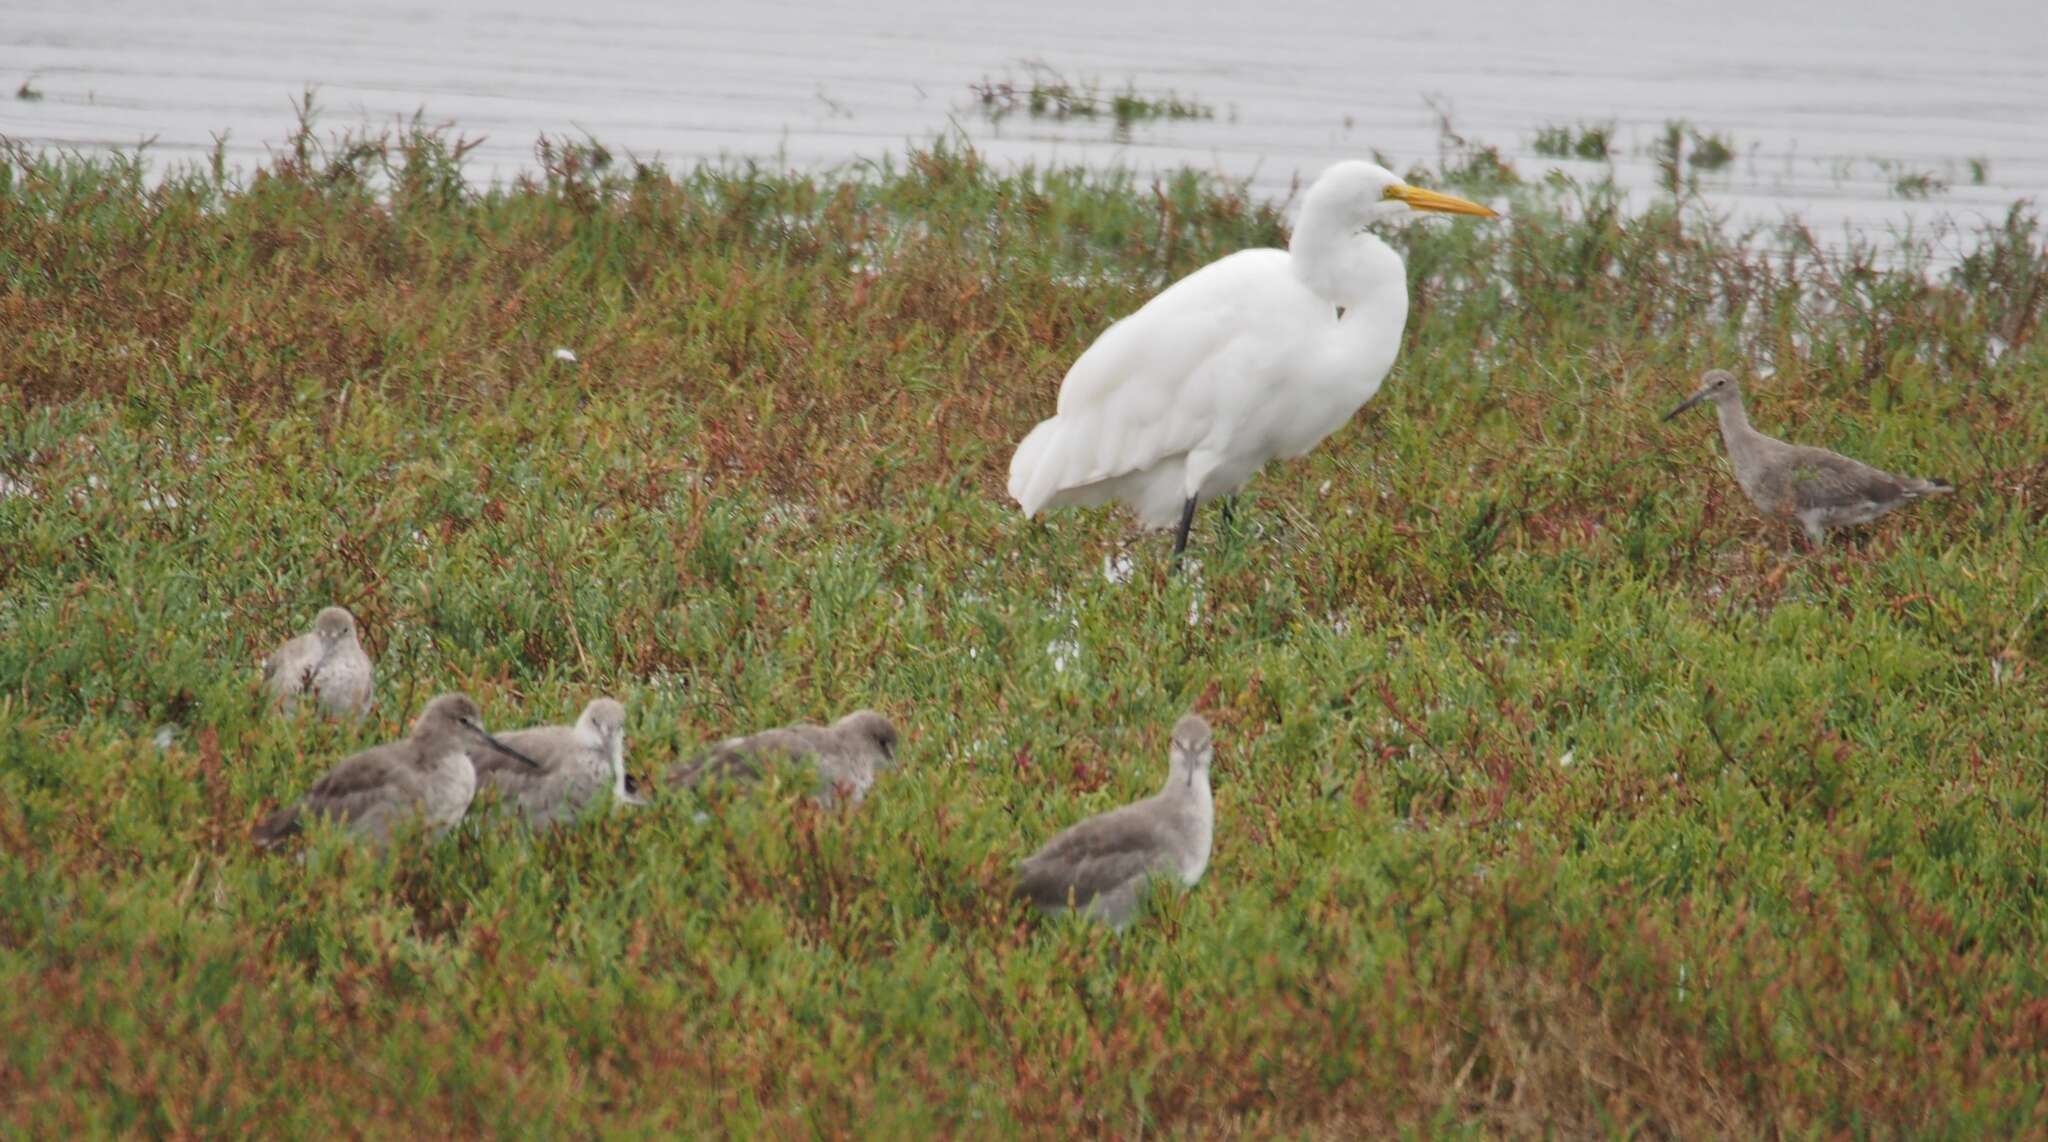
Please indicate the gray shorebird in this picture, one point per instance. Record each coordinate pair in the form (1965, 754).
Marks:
(326, 662)
(1101, 866)
(426, 776)
(578, 765)
(849, 753)
(1813, 487)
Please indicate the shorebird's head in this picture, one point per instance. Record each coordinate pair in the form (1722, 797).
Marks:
(449, 713)
(1194, 747)
(453, 717)
(873, 727)
(1717, 385)
(334, 625)
(604, 720)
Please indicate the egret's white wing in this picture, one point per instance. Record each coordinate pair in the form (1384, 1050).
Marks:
(1169, 337)
(1160, 383)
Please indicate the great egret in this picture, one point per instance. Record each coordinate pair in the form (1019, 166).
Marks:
(1256, 355)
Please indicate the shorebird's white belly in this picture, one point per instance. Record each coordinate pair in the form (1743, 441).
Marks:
(446, 790)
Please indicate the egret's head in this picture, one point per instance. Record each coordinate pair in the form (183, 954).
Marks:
(1717, 385)
(334, 625)
(1367, 192)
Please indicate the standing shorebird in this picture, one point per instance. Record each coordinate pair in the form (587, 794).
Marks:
(1255, 356)
(849, 753)
(1813, 487)
(1101, 865)
(578, 764)
(326, 662)
(427, 776)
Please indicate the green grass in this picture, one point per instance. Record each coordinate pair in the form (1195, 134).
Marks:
(1681, 145)
(1050, 96)
(1594, 143)
(1917, 184)
(1554, 793)
(1711, 152)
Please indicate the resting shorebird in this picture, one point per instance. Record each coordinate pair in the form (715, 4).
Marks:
(326, 662)
(1813, 487)
(578, 764)
(1101, 865)
(848, 754)
(426, 777)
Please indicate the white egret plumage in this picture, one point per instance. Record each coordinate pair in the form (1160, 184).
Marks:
(1254, 356)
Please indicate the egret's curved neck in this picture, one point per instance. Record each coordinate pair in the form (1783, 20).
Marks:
(1363, 276)
(1343, 264)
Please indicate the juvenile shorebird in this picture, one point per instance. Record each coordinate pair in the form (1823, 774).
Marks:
(1101, 865)
(577, 765)
(1813, 487)
(848, 754)
(326, 662)
(426, 776)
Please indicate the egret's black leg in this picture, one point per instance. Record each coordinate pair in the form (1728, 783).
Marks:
(1230, 509)
(1187, 520)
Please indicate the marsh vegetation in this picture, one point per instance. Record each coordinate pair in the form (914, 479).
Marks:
(1552, 791)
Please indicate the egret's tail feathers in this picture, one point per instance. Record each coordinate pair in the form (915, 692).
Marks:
(1061, 464)
(1034, 469)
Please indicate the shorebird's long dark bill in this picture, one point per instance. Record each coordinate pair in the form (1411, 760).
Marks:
(501, 746)
(1689, 402)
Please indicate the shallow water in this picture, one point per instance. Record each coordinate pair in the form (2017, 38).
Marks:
(1827, 104)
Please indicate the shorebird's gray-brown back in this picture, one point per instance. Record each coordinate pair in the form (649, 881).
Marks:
(848, 754)
(1102, 865)
(327, 662)
(578, 765)
(424, 777)
(1813, 487)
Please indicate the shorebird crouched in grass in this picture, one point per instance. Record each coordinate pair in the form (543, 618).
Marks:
(1101, 866)
(326, 662)
(425, 777)
(578, 765)
(1812, 487)
(849, 754)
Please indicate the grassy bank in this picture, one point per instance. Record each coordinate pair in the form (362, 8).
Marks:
(1551, 788)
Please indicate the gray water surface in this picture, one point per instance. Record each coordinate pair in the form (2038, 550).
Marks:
(1827, 104)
